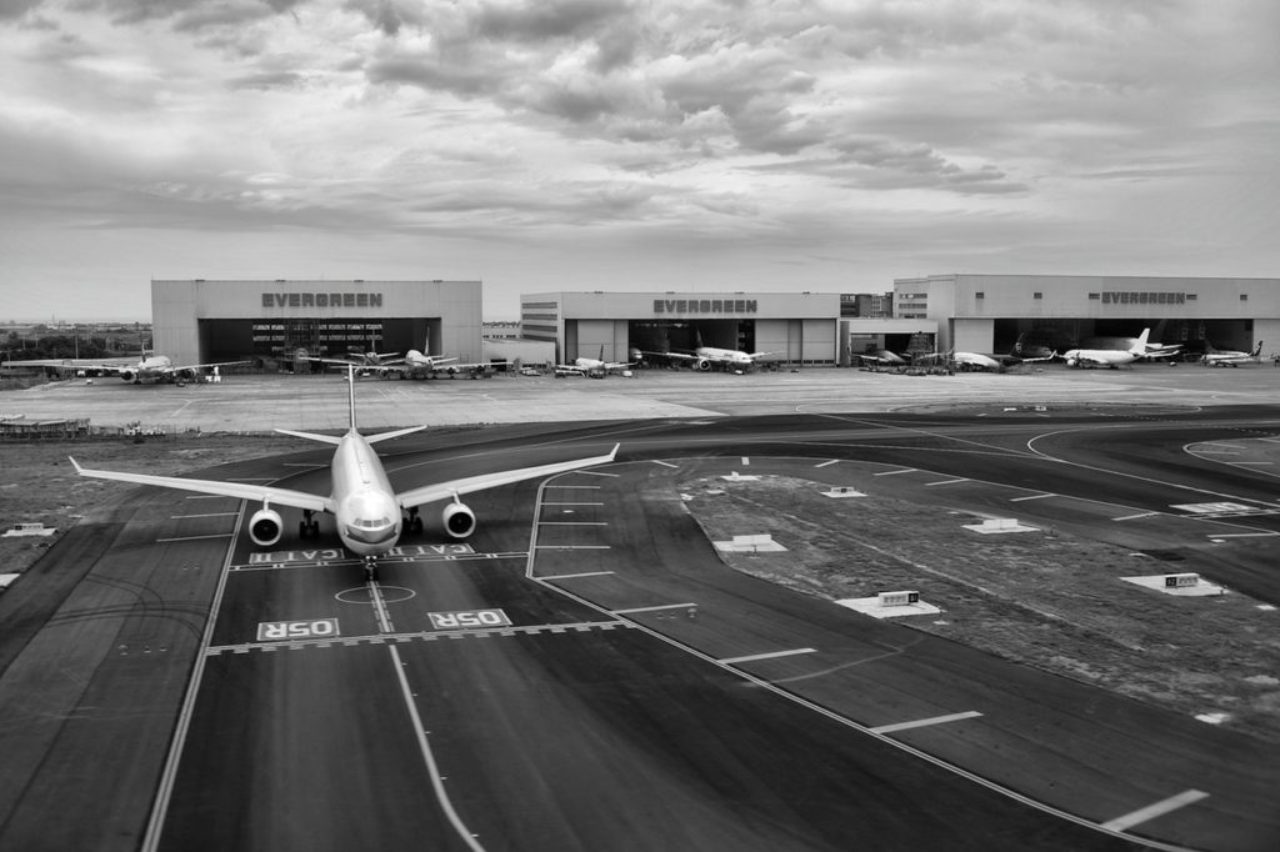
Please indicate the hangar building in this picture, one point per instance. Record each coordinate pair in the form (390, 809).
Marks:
(800, 328)
(989, 313)
(205, 320)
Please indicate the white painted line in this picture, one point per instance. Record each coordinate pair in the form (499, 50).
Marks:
(573, 547)
(663, 463)
(944, 482)
(1032, 497)
(595, 487)
(896, 472)
(1245, 464)
(923, 723)
(1244, 535)
(730, 661)
(575, 576)
(573, 523)
(210, 515)
(191, 538)
(652, 608)
(1137, 516)
(1150, 812)
(573, 504)
(595, 473)
(828, 463)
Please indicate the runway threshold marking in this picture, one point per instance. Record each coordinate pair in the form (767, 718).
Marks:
(1150, 812)
(924, 723)
(751, 658)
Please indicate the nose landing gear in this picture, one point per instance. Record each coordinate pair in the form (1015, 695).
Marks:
(371, 569)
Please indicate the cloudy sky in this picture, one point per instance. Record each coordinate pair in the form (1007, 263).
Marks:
(693, 145)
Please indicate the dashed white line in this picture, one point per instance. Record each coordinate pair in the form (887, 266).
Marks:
(750, 658)
(1150, 812)
(923, 723)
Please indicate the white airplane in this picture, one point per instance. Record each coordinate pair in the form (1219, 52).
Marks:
(1232, 358)
(880, 358)
(1110, 358)
(705, 357)
(1154, 350)
(593, 366)
(149, 368)
(368, 513)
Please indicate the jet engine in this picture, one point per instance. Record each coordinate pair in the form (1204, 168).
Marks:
(1072, 362)
(265, 527)
(459, 520)
(703, 364)
(127, 375)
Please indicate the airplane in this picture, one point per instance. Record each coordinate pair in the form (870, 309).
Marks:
(596, 367)
(705, 357)
(1110, 358)
(880, 358)
(368, 513)
(151, 368)
(1232, 358)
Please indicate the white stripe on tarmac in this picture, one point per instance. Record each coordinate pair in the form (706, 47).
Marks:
(575, 576)
(828, 463)
(210, 515)
(924, 723)
(944, 482)
(652, 608)
(1137, 516)
(1150, 812)
(664, 464)
(730, 661)
(896, 472)
(191, 538)
(1032, 497)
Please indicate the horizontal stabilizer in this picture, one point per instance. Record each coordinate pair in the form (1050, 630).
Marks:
(387, 436)
(312, 436)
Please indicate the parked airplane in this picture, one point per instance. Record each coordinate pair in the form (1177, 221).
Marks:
(1153, 350)
(880, 358)
(1110, 358)
(369, 514)
(1232, 358)
(705, 357)
(592, 366)
(149, 368)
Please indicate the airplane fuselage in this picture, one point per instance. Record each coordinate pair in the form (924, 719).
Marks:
(366, 513)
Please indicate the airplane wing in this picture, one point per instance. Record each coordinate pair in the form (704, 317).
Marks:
(681, 356)
(239, 490)
(182, 367)
(469, 484)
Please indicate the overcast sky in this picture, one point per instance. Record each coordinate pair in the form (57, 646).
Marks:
(694, 145)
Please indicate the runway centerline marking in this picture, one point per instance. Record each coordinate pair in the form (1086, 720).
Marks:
(750, 658)
(1150, 812)
(924, 723)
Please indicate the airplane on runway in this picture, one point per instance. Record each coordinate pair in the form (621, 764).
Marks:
(1232, 358)
(369, 514)
(596, 367)
(1109, 358)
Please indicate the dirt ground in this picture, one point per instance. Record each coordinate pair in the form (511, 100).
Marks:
(38, 484)
(1042, 598)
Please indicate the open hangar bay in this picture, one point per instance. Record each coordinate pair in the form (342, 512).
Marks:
(643, 694)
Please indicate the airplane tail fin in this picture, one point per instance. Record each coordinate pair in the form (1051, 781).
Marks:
(1140, 347)
(1257, 350)
(351, 387)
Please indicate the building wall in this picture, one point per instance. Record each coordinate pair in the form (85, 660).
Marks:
(178, 307)
(1090, 298)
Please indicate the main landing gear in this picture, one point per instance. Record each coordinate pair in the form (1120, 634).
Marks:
(308, 527)
(412, 522)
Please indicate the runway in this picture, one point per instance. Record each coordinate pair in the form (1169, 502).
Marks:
(586, 673)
